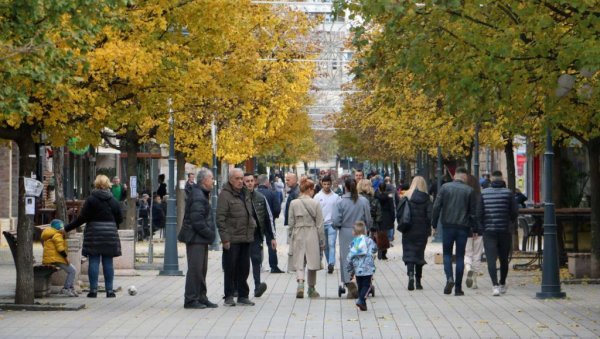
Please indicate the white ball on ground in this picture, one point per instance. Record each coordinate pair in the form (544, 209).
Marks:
(132, 290)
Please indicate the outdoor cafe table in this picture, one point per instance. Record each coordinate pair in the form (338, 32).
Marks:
(569, 220)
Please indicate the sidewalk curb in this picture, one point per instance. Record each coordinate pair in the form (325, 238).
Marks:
(41, 307)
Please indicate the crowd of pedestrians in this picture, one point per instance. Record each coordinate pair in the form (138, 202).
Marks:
(357, 214)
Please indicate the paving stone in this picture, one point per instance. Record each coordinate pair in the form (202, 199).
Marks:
(157, 311)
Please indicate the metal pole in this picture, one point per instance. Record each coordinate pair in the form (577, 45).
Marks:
(151, 237)
(171, 264)
(550, 275)
(213, 131)
(438, 234)
(476, 151)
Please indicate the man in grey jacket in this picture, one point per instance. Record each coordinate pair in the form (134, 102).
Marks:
(497, 211)
(456, 204)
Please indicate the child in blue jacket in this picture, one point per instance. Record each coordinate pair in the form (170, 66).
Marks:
(361, 262)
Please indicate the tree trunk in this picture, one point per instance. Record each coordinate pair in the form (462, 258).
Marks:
(24, 291)
(131, 145)
(407, 173)
(58, 161)
(305, 167)
(511, 181)
(594, 160)
(396, 173)
(557, 176)
(180, 158)
(469, 158)
(557, 198)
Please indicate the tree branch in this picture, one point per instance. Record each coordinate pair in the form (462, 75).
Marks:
(574, 134)
(106, 137)
(470, 18)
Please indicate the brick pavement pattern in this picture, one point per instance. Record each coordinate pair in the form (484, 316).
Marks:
(157, 310)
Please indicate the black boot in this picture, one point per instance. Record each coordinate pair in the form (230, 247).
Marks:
(411, 281)
(419, 286)
(419, 275)
(384, 255)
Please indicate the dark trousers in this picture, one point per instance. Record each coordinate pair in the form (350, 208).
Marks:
(273, 263)
(497, 245)
(256, 257)
(195, 278)
(459, 236)
(237, 268)
(364, 284)
(415, 269)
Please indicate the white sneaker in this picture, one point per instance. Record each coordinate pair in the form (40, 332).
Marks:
(66, 292)
(496, 291)
(73, 293)
(474, 286)
(503, 289)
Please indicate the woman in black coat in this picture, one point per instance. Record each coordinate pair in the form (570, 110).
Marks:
(386, 200)
(414, 238)
(101, 213)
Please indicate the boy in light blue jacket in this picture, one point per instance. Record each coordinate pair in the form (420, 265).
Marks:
(361, 262)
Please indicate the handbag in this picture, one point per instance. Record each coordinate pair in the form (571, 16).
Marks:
(404, 216)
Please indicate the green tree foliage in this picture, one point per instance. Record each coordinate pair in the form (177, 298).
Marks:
(494, 63)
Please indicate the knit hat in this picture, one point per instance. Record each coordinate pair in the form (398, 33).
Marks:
(57, 224)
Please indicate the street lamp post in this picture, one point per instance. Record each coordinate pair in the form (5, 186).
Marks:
(476, 151)
(213, 133)
(438, 234)
(171, 264)
(550, 271)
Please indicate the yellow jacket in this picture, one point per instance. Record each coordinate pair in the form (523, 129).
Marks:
(54, 243)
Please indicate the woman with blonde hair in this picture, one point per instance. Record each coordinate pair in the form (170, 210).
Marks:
(414, 237)
(307, 238)
(365, 189)
(101, 214)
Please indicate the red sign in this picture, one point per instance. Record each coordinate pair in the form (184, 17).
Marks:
(521, 160)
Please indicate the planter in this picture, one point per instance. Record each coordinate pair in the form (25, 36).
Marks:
(580, 264)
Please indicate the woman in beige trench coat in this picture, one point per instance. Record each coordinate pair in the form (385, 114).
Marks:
(307, 239)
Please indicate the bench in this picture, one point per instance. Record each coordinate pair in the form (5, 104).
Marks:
(41, 273)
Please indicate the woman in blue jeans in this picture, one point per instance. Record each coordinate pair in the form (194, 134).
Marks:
(101, 213)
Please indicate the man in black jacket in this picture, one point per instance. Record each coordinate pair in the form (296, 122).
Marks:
(197, 232)
(275, 206)
(291, 180)
(456, 206)
(498, 210)
(264, 222)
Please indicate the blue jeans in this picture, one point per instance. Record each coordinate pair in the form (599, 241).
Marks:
(459, 236)
(330, 236)
(94, 271)
(391, 234)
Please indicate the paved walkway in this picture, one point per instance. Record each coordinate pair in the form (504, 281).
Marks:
(157, 310)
